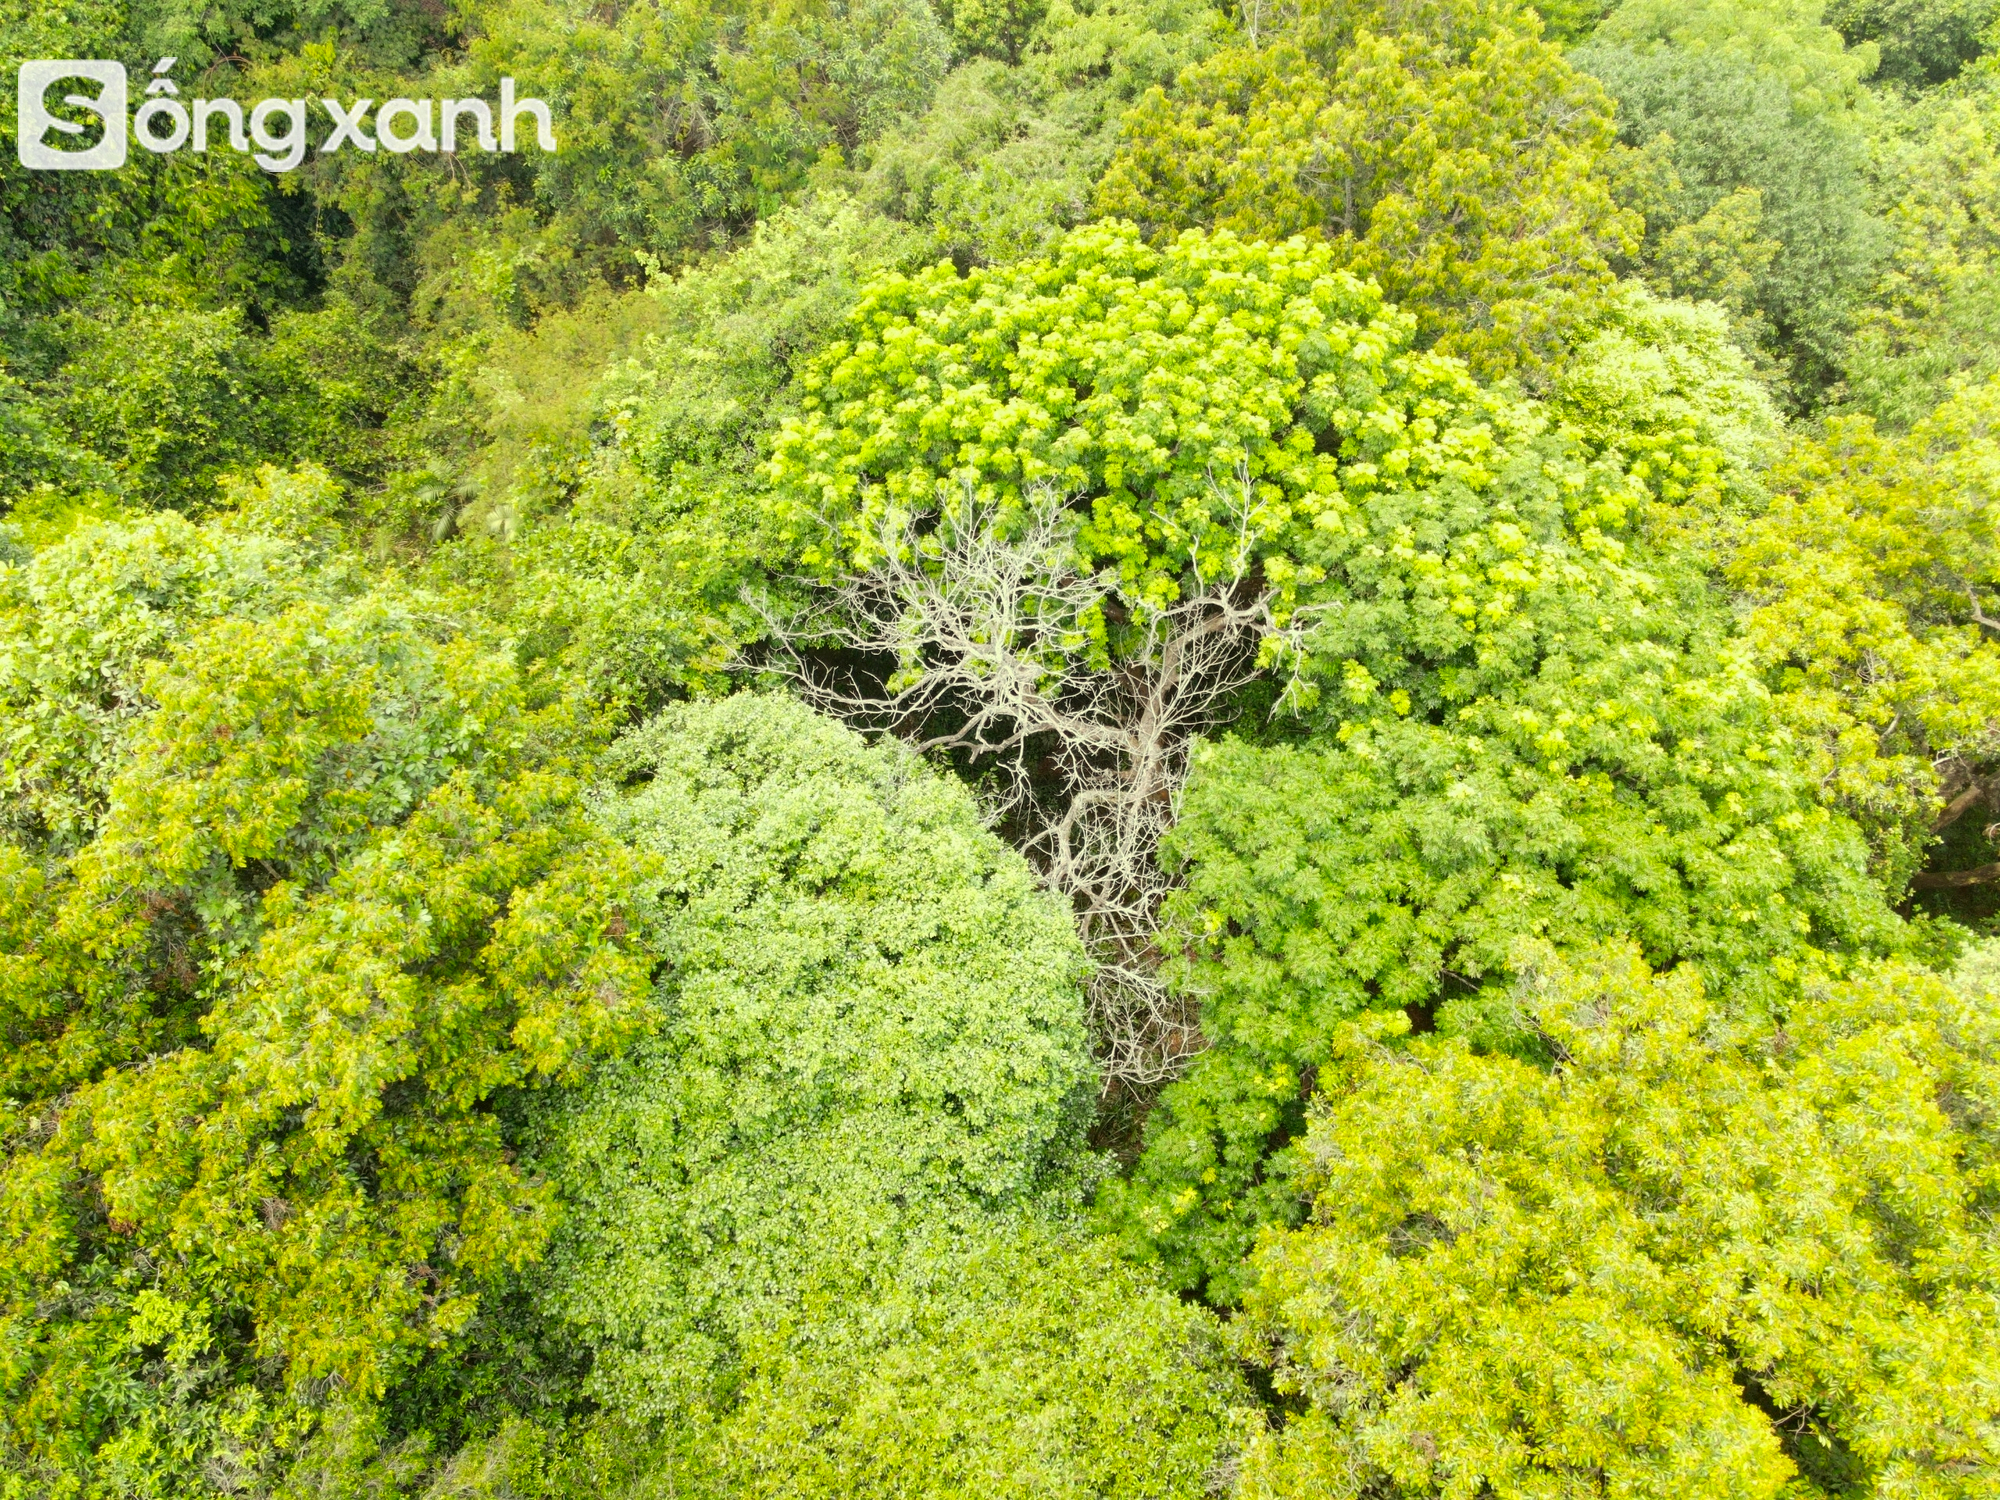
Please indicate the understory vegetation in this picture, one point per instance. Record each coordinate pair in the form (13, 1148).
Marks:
(1037, 748)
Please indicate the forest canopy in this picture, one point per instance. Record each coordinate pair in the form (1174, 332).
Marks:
(1081, 748)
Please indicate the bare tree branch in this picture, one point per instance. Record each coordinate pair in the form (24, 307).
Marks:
(1979, 616)
(1079, 701)
(1940, 880)
(1960, 805)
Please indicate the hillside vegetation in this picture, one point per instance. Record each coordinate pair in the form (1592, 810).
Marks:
(1145, 749)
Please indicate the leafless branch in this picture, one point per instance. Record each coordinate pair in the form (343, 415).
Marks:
(981, 635)
(1979, 617)
(1940, 880)
(1967, 799)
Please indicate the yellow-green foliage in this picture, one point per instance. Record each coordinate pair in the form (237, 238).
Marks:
(1865, 577)
(1680, 1257)
(1026, 1364)
(83, 620)
(1147, 386)
(1935, 312)
(1750, 130)
(820, 1223)
(394, 1108)
(341, 893)
(630, 514)
(1663, 387)
(1444, 148)
(1786, 41)
(1603, 764)
(1025, 1361)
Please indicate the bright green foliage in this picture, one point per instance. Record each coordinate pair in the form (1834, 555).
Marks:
(1144, 383)
(1445, 149)
(1866, 576)
(1749, 167)
(1025, 1360)
(708, 384)
(1786, 41)
(83, 620)
(631, 503)
(1024, 1365)
(383, 1114)
(1935, 312)
(1661, 386)
(1686, 1258)
(872, 1020)
(1600, 764)
(339, 897)
(804, 1221)
(817, 1237)
(680, 116)
(164, 395)
(1006, 157)
(1570, 21)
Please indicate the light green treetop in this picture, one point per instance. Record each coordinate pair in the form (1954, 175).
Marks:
(1181, 397)
(335, 893)
(1676, 1257)
(1787, 40)
(1445, 149)
(872, 1024)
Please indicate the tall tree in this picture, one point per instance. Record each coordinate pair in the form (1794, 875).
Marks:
(1444, 148)
(1658, 1255)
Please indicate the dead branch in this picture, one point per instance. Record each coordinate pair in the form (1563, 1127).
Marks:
(1944, 880)
(1960, 805)
(1979, 617)
(1076, 700)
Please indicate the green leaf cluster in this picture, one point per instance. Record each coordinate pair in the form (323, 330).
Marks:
(312, 897)
(870, 1019)
(1005, 158)
(1868, 577)
(1025, 1364)
(1534, 737)
(1930, 318)
(1187, 399)
(1684, 1256)
(1921, 42)
(1662, 387)
(1749, 154)
(455, 1041)
(819, 1226)
(1446, 150)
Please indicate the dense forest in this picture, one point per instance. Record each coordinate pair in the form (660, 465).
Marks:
(1019, 748)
